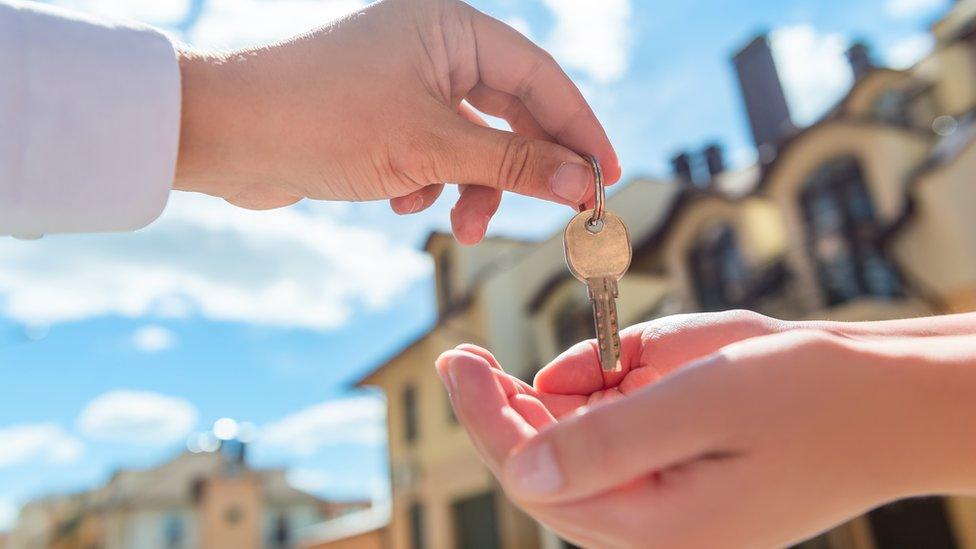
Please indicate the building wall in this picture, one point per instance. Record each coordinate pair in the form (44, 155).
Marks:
(944, 205)
(438, 467)
(230, 512)
(146, 528)
(368, 540)
(297, 516)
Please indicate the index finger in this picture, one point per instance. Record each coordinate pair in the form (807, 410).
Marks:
(483, 407)
(511, 63)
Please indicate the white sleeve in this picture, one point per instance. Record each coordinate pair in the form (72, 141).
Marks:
(89, 122)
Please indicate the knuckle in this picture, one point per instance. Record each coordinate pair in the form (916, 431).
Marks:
(515, 169)
(526, 83)
(416, 161)
(816, 341)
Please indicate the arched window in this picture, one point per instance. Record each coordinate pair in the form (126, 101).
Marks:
(718, 269)
(842, 235)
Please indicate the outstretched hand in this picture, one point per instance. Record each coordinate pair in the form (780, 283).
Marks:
(384, 104)
(727, 429)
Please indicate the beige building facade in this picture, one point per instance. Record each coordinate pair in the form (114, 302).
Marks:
(205, 500)
(868, 214)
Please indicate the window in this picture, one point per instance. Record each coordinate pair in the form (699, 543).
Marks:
(173, 531)
(476, 522)
(918, 522)
(891, 108)
(234, 515)
(445, 274)
(718, 269)
(411, 430)
(842, 235)
(451, 416)
(573, 323)
(281, 536)
(417, 538)
(914, 107)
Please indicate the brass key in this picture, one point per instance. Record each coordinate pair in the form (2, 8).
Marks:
(598, 253)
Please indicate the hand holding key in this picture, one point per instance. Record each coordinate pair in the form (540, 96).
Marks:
(371, 107)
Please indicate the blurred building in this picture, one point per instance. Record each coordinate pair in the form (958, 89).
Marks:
(870, 213)
(365, 529)
(197, 500)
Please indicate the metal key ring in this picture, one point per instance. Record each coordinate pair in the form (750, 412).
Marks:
(595, 224)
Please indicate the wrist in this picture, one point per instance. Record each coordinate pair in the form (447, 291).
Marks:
(210, 111)
(930, 409)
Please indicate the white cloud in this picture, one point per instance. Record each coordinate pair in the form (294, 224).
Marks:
(242, 23)
(152, 339)
(309, 480)
(358, 420)
(38, 442)
(8, 514)
(908, 51)
(813, 67)
(137, 417)
(225, 23)
(292, 267)
(155, 12)
(324, 481)
(908, 9)
(593, 36)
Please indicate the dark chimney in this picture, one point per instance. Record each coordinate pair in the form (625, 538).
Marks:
(762, 91)
(859, 56)
(681, 164)
(714, 160)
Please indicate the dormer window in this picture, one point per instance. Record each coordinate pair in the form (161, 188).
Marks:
(891, 108)
(718, 269)
(912, 107)
(842, 233)
(445, 277)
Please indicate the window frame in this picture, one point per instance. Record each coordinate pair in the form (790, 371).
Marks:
(840, 190)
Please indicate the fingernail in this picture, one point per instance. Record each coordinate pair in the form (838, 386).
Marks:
(452, 378)
(417, 203)
(571, 182)
(534, 471)
(484, 224)
(446, 374)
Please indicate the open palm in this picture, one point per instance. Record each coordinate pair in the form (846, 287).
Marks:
(715, 424)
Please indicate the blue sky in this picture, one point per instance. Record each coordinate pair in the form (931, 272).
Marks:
(213, 312)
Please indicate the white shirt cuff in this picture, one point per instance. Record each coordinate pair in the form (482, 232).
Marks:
(89, 122)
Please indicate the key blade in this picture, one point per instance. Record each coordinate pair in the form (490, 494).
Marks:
(603, 293)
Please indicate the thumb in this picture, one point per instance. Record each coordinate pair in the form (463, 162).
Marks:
(513, 162)
(662, 426)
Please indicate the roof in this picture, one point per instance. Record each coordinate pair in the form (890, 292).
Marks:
(944, 153)
(807, 132)
(446, 315)
(172, 482)
(437, 235)
(348, 526)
